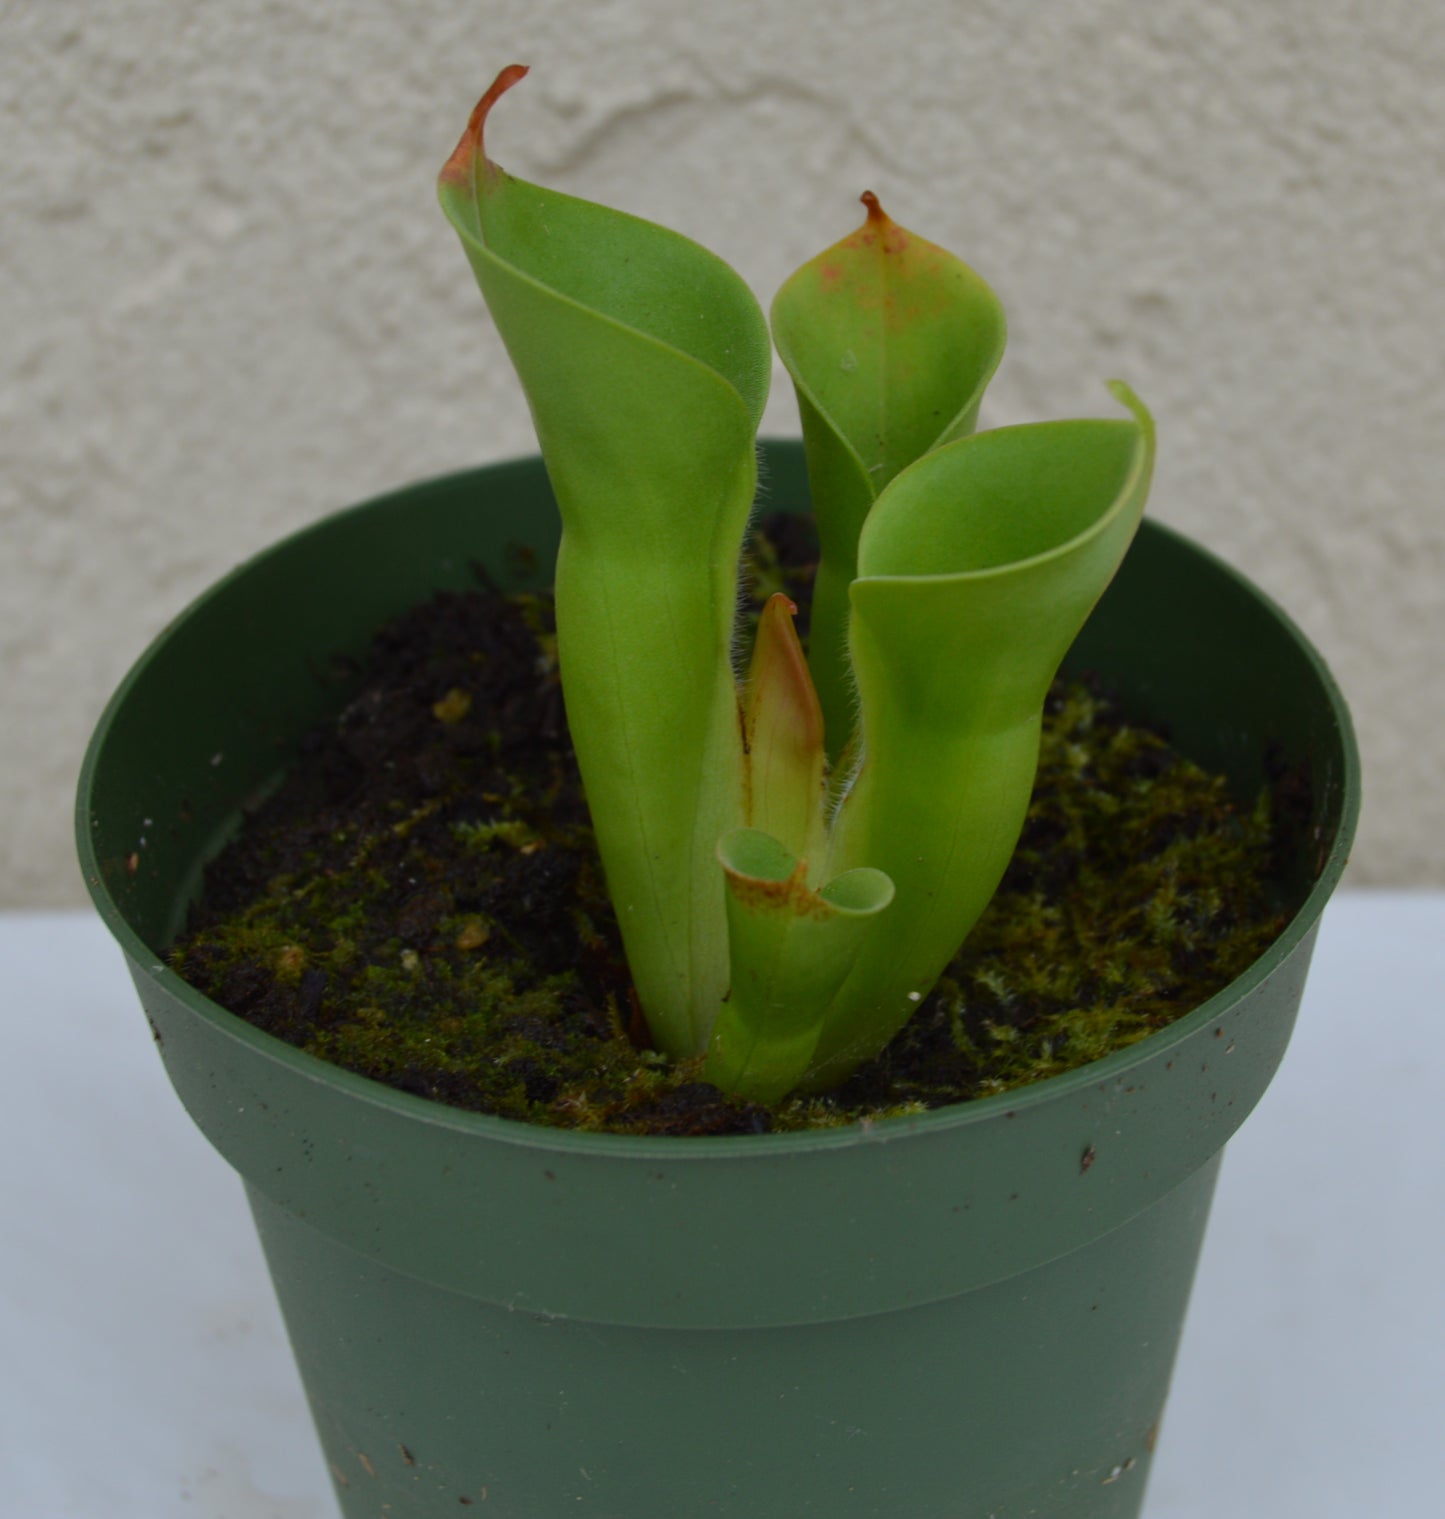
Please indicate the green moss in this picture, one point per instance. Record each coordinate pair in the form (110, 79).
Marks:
(458, 944)
(1138, 891)
(513, 832)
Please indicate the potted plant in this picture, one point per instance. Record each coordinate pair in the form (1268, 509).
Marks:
(968, 1311)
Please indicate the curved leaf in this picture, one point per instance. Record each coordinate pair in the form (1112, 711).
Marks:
(645, 361)
(890, 341)
(790, 948)
(979, 565)
(783, 736)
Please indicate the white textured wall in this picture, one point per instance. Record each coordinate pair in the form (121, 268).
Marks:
(228, 302)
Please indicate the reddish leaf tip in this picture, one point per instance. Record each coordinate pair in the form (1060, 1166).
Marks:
(880, 228)
(460, 167)
(779, 679)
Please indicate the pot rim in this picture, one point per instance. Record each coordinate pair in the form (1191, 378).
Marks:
(672, 1147)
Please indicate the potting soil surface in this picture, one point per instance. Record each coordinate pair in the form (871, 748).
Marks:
(420, 899)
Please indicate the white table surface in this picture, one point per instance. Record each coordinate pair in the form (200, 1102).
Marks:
(146, 1373)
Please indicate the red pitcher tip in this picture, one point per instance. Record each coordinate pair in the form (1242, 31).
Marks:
(880, 228)
(460, 166)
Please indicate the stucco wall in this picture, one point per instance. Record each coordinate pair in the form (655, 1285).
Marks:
(229, 303)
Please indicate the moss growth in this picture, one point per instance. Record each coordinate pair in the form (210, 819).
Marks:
(1137, 891)
(421, 903)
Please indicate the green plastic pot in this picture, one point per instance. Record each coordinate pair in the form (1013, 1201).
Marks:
(973, 1312)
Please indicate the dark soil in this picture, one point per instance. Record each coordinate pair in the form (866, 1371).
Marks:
(420, 900)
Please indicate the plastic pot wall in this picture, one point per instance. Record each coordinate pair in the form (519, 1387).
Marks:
(969, 1313)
